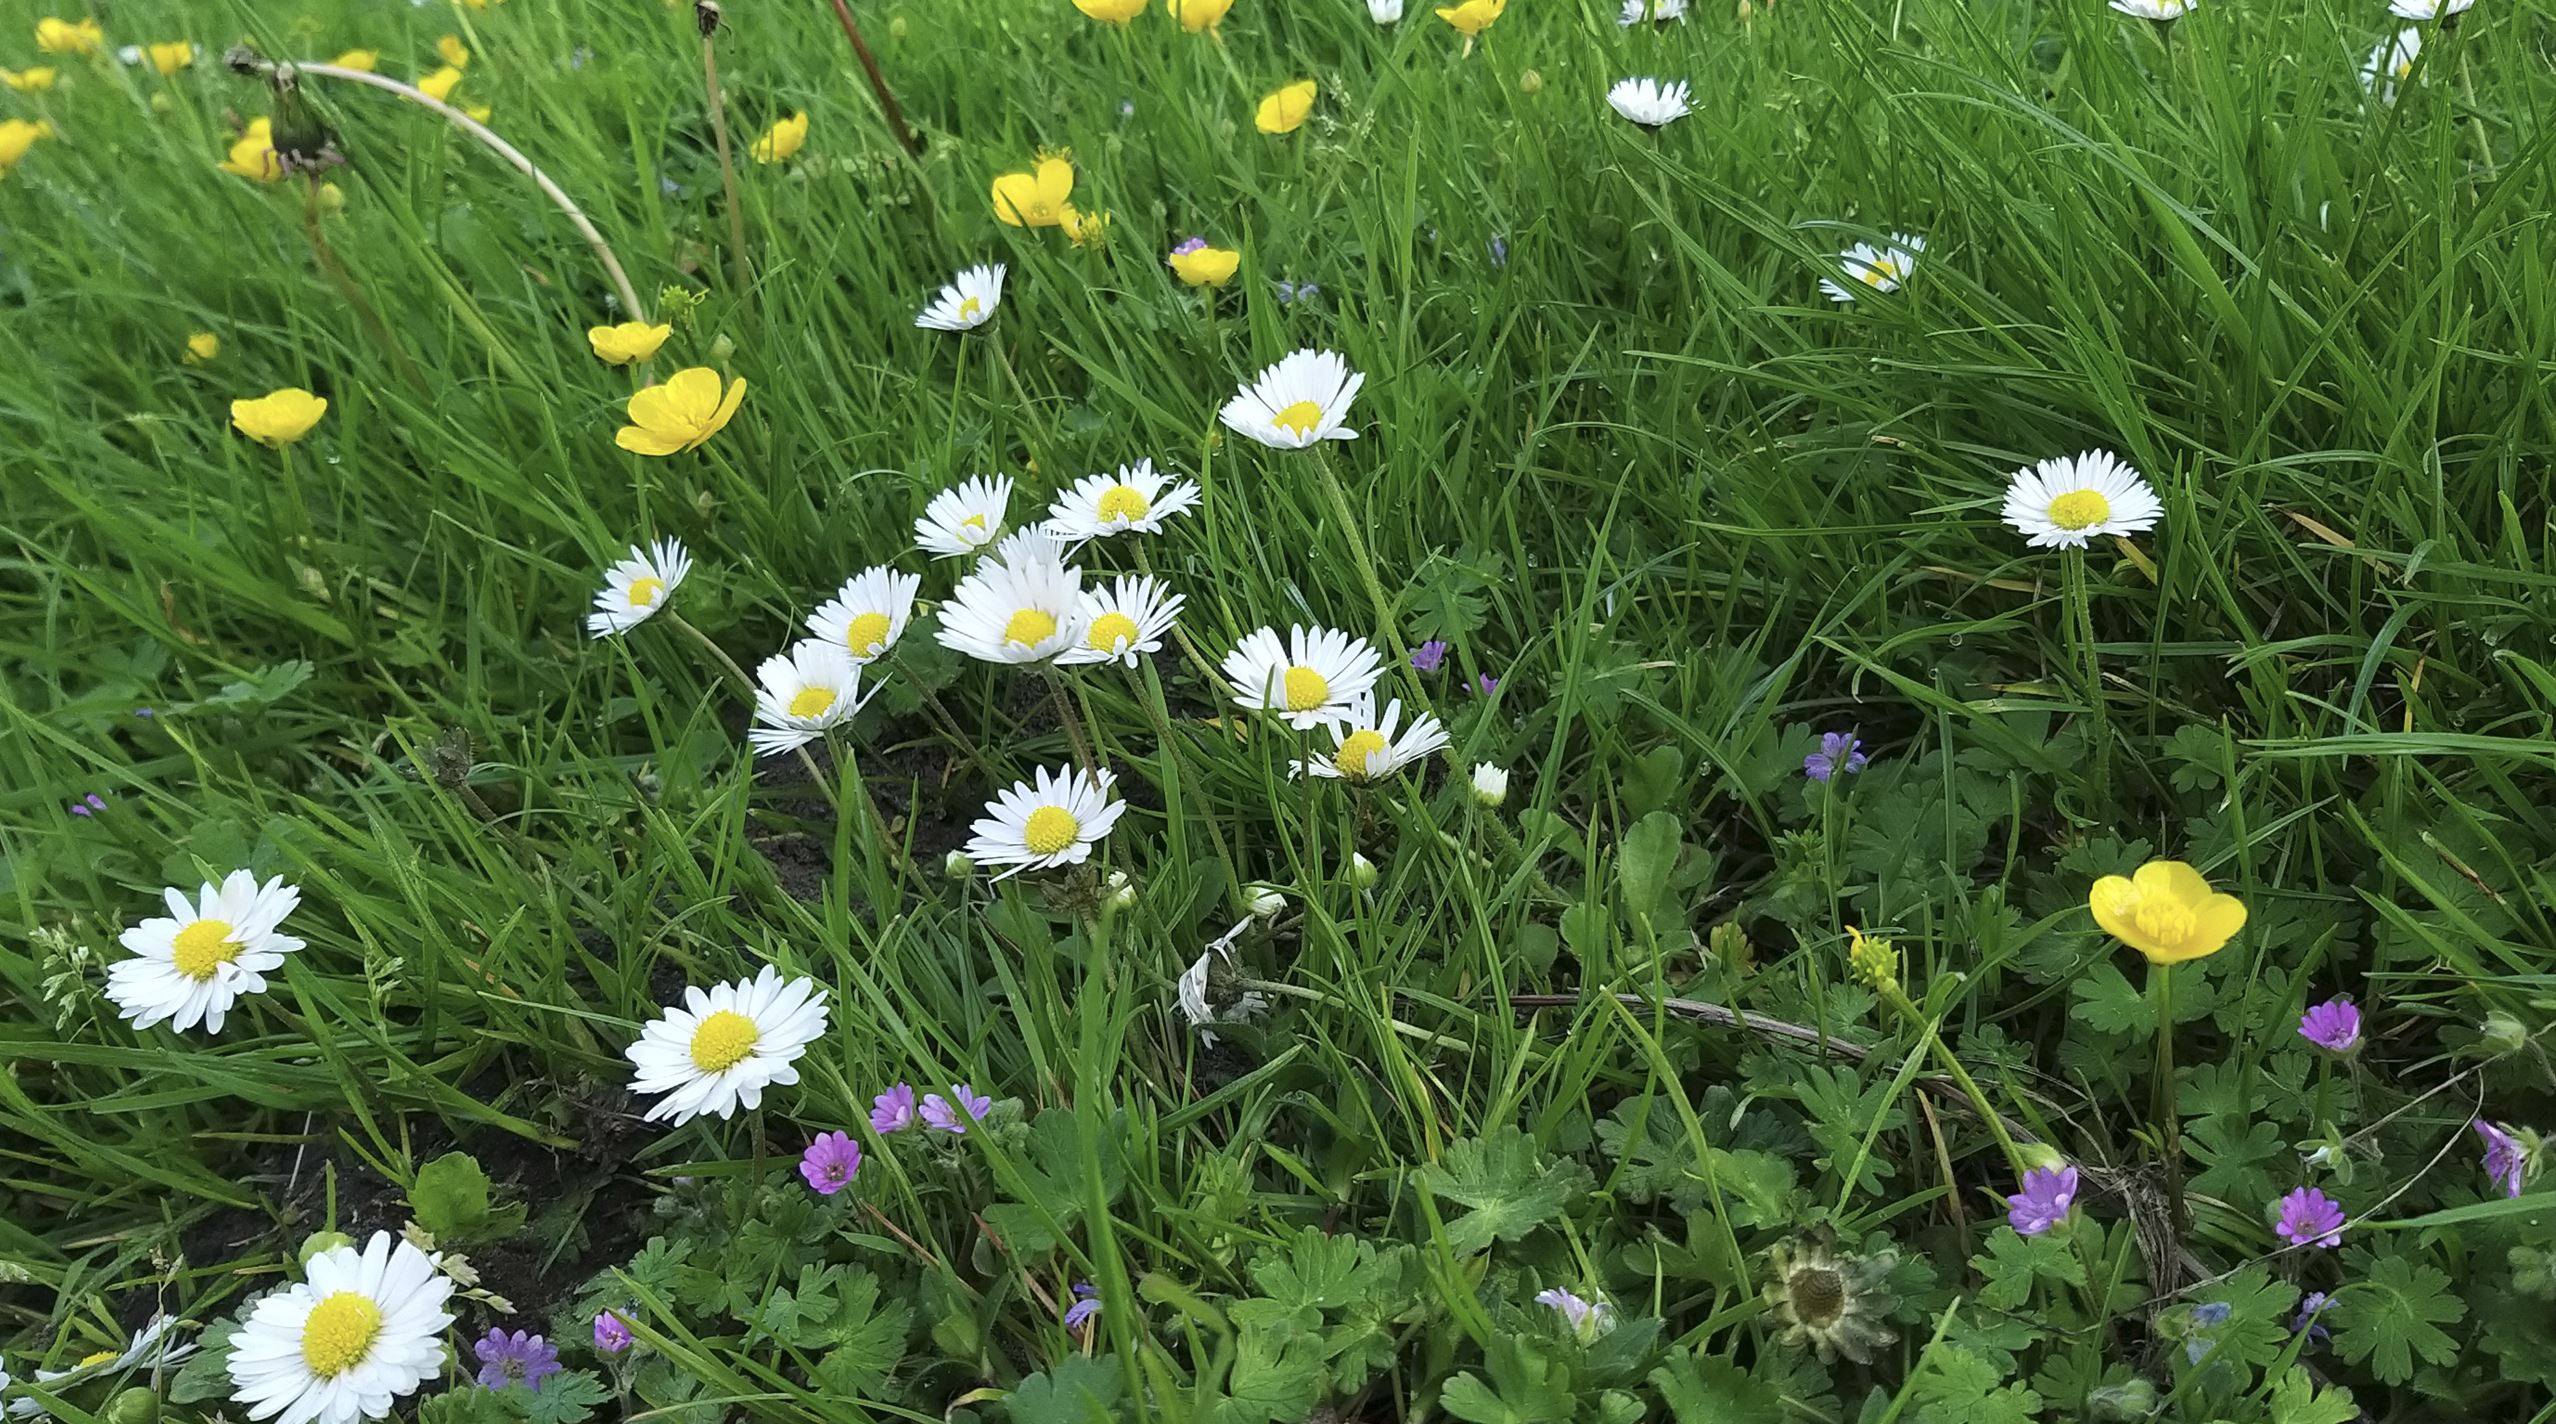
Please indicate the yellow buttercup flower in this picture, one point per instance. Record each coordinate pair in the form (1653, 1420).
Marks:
(783, 139)
(1284, 110)
(479, 4)
(1086, 229)
(478, 113)
(2166, 912)
(1199, 16)
(203, 346)
(16, 137)
(29, 81)
(171, 57)
(366, 60)
(1202, 266)
(1115, 12)
(679, 415)
(279, 419)
(253, 154)
(439, 86)
(1036, 198)
(59, 36)
(453, 51)
(1473, 16)
(629, 342)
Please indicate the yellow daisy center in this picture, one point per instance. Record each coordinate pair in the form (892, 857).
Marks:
(203, 947)
(2404, 67)
(1355, 749)
(723, 1041)
(975, 522)
(1301, 418)
(339, 1332)
(1030, 627)
(812, 702)
(2163, 921)
(969, 308)
(2080, 509)
(1109, 628)
(1127, 502)
(1881, 270)
(868, 633)
(1049, 829)
(644, 592)
(1306, 689)
(94, 1357)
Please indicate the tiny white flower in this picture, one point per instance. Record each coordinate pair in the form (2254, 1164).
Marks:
(637, 587)
(2428, 9)
(802, 695)
(1051, 820)
(1362, 871)
(1302, 399)
(2392, 63)
(1490, 784)
(1021, 607)
(868, 614)
(1368, 748)
(1649, 102)
(1135, 500)
(2063, 503)
(1122, 891)
(1637, 11)
(1130, 617)
(1265, 902)
(1308, 678)
(361, 1330)
(190, 966)
(723, 1046)
(1384, 12)
(2156, 9)
(1875, 269)
(967, 303)
(964, 519)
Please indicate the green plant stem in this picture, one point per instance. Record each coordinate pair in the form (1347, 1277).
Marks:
(737, 268)
(1354, 531)
(824, 784)
(1931, 1027)
(1069, 718)
(2169, 1124)
(2080, 610)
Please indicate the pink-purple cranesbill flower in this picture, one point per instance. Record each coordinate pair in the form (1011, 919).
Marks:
(1586, 1317)
(942, 1114)
(612, 1336)
(2334, 1026)
(1429, 656)
(1486, 684)
(2504, 1161)
(1195, 244)
(506, 1359)
(1087, 1303)
(830, 1161)
(2310, 1218)
(1838, 752)
(2048, 1194)
(88, 805)
(893, 1110)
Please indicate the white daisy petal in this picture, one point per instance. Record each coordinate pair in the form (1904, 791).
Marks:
(637, 587)
(1649, 102)
(1050, 820)
(718, 1061)
(2067, 502)
(1302, 399)
(1129, 618)
(1874, 269)
(1369, 748)
(800, 697)
(1023, 606)
(1638, 11)
(1311, 677)
(967, 303)
(188, 971)
(1134, 500)
(868, 615)
(964, 519)
(358, 1333)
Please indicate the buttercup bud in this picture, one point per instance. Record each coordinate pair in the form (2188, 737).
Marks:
(898, 29)
(1530, 82)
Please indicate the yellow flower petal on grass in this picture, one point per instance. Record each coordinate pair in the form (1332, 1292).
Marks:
(1473, 16)
(453, 51)
(1199, 16)
(680, 414)
(439, 86)
(16, 137)
(29, 81)
(253, 154)
(1114, 12)
(203, 346)
(169, 58)
(278, 419)
(1286, 109)
(782, 140)
(55, 35)
(1036, 198)
(366, 60)
(2167, 911)
(628, 342)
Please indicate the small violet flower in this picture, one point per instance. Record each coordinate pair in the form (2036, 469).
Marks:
(1289, 293)
(1486, 684)
(2334, 1026)
(2305, 1322)
(1587, 1318)
(1838, 751)
(1429, 656)
(830, 1162)
(2046, 1198)
(893, 1110)
(1086, 1305)
(2504, 1160)
(611, 1335)
(941, 1115)
(1499, 251)
(2310, 1218)
(506, 1359)
(2205, 1318)
(88, 805)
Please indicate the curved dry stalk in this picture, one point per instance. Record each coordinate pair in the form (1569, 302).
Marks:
(507, 151)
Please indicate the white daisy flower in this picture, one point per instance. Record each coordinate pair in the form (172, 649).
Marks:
(637, 587)
(964, 519)
(1029, 545)
(723, 1047)
(2063, 503)
(1637, 11)
(191, 965)
(2428, 9)
(1875, 269)
(1490, 783)
(144, 1349)
(804, 694)
(2158, 9)
(1050, 821)
(1649, 102)
(967, 303)
(1302, 399)
(1130, 617)
(1191, 993)
(1308, 679)
(1384, 12)
(868, 614)
(1023, 608)
(1369, 748)
(2391, 63)
(361, 1329)
(1133, 500)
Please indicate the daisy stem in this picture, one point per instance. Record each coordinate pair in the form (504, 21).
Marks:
(2081, 631)
(2169, 1125)
(1020, 393)
(1349, 526)
(824, 783)
(1317, 996)
(1072, 721)
(727, 163)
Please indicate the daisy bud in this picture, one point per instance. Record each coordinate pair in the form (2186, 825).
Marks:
(1362, 872)
(705, 13)
(2502, 1034)
(133, 1406)
(1122, 891)
(1266, 902)
(1490, 784)
(958, 865)
(319, 1241)
(1530, 82)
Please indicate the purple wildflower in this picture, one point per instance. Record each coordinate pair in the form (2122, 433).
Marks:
(1486, 684)
(2048, 1195)
(2310, 1218)
(1429, 656)
(1086, 1305)
(145, 712)
(2504, 1160)
(88, 805)
(1290, 293)
(2206, 1318)
(893, 1110)
(1587, 1317)
(1499, 251)
(830, 1161)
(1189, 246)
(1838, 751)
(611, 1335)
(2305, 1322)
(508, 1359)
(941, 1115)
(2334, 1026)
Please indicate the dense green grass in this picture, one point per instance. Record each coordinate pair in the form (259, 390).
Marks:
(1686, 511)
